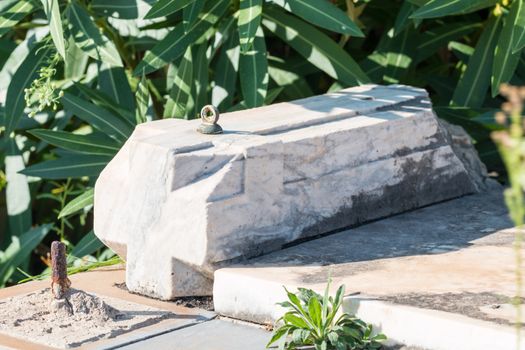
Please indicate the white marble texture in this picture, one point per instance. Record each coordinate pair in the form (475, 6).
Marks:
(178, 204)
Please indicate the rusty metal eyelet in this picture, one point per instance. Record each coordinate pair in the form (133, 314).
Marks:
(209, 117)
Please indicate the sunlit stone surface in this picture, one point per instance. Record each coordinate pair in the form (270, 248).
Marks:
(178, 204)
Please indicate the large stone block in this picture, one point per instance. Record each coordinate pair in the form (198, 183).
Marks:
(178, 204)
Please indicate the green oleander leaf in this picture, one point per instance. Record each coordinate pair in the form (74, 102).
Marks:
(472, 87)
(248, 22)
(78, 203)
(87, 36)
(253, 66)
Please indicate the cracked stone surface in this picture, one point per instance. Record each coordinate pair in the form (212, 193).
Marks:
(178, 205)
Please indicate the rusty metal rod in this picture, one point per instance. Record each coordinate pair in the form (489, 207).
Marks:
(59, 281)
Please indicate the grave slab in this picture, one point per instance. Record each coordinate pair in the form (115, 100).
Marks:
(437, 277)
(177, 204)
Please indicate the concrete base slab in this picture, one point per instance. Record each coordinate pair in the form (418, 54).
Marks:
(105, 283)
(216, 335)
(449, 249)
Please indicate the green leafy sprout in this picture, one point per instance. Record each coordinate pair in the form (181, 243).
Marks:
(313, 321)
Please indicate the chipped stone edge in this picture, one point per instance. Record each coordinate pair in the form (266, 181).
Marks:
(437, 330)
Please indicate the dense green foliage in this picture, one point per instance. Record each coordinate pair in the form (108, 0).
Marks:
(76, 76)
(318, 321)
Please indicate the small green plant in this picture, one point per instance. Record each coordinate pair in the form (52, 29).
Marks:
(311, 323)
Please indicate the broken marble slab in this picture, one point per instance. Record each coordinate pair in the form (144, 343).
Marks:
(177, 204)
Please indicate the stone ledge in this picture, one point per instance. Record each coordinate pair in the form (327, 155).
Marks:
(456, 247)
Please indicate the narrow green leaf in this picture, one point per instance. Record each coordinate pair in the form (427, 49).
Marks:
(433, 39)
(191, 12)
(52, 11)
(374, 66)
(225, 29)
(104, 101)
(324, 310)
(278, 334)
(76, 61)
(418, 3)
(181, 89)
(402, 18)
(100, 118)
(505, 62)
(200, 72)
(20, 249)
(166, 7)
(14, 14)
(399, 56)
(473, 85)
(90, 144)
(78, 203)
(88, 245)
(89, 38)
(176, 42)
(521, 65)
(248, 22)
(69, 167)
(294, 86)
(142, 96)
(518, 39)
(339, 295)
(254, 71)
(314, 309)
(272, 95)
(4, 4)
(323, 14)
(462, 51)
(22, 79)
(114, 83)
(122, 9)
(440, 8)
(226, 73)
(17, 194)
(294, 301)
(315, 46)
(295, 320)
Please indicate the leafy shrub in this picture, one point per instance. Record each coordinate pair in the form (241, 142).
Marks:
(76, 76)
(313, 320)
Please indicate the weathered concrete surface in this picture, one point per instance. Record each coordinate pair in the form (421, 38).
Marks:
(456, 256)
(178, 204)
